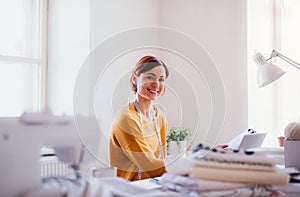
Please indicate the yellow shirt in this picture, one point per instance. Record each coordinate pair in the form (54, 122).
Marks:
(131, 150)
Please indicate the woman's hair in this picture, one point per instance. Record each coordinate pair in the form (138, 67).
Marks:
(145, 64)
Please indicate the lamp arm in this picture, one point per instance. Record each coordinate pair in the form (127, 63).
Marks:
(288, 60)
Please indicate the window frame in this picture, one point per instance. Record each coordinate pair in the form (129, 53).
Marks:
(41, 61)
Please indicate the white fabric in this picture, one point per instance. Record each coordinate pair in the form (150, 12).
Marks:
(202, 188)
(90, 187)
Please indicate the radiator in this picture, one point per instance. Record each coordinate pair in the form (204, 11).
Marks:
(55, 168)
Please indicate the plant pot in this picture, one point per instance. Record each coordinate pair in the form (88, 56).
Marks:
(177, 148)
(281, 141)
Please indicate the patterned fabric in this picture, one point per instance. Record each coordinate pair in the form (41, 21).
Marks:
(198, 187)
(110, 187)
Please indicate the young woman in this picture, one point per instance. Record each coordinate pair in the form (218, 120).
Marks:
(138, 134)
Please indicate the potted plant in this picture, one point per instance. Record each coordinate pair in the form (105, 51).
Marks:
(177, 140)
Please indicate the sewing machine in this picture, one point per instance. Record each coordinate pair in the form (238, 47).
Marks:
(21, 140)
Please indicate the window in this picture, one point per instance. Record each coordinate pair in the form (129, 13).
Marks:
(274, 25)
(21, 56)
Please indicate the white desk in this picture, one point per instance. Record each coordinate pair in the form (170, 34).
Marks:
(293, 189)
(118, 186)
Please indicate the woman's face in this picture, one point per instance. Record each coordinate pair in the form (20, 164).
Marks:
(150, 84)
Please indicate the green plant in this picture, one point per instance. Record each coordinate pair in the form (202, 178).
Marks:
(178, 134)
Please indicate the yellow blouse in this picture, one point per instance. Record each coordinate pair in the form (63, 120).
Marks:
(131, 150)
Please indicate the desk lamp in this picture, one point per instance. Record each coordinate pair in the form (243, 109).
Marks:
(267, 72)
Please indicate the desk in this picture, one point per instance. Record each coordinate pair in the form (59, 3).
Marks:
(292, 189)
(90, 186)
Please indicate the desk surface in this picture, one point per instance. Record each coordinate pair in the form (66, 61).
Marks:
(292, 189)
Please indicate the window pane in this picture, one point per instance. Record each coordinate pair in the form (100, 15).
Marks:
(271, 108)
(19, 28)
(18, 88)
(288, 88)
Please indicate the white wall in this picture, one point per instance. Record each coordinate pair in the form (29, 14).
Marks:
(220, 27)
(68, 46)
(114, 16)
(261, 106)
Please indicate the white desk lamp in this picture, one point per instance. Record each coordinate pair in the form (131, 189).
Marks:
(267, 72)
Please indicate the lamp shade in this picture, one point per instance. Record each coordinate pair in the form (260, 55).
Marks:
(267, 73)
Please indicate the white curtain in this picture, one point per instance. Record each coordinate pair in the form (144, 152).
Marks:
(272, 24)
(288, 93)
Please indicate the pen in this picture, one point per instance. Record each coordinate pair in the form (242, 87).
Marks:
(155, 180)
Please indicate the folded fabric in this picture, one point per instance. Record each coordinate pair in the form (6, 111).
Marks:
(198, 184)
(292, 131)
(241, 176)
(199, 187)
(90, 187)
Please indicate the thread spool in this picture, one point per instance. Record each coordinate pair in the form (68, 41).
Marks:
(292, 131)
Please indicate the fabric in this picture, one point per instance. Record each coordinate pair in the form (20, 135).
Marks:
(237, 175)
(110, 187)
(199, 184)
(199, 187)
(134, 144)
(91, 187)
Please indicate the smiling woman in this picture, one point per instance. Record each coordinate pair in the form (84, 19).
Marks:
(138, 134)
